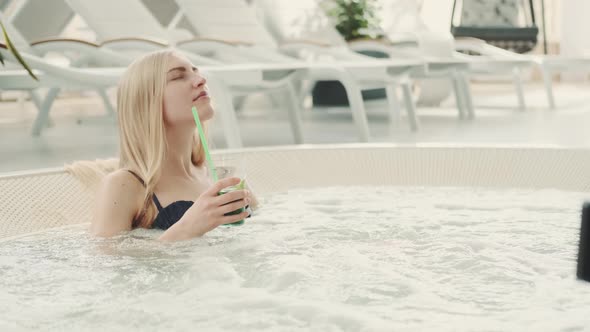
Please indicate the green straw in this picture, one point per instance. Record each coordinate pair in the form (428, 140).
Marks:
(205, 146)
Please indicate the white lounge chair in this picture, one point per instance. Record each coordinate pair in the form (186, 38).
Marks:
(25, 16)
(57, 77)
(235, 19)
(410, 27)
(54, 76)
(506, 14)
(547, 64)
(129, 26)
(138, 13)
(73, 52)
(305, 20)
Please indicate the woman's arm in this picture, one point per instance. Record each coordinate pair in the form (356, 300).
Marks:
(118, 200)
(208, 211)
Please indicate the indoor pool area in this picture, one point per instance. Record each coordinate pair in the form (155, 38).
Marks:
(270, 165)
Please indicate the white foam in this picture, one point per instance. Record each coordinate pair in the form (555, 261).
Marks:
(354, 258)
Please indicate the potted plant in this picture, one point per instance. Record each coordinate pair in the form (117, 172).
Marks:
(354, 19)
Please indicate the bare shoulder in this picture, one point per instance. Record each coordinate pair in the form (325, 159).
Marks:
(122, 181)
(117, 202)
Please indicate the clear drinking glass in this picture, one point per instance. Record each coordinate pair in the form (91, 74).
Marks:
(229, 165)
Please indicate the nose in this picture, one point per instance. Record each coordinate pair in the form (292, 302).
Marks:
(199, 81)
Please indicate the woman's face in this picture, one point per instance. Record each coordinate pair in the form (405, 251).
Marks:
(185, 88)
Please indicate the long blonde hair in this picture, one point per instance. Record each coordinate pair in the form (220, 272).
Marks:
(143, 145)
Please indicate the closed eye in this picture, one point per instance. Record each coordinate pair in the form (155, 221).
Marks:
(181, 72)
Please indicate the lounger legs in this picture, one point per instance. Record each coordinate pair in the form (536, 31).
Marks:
(357, 107)
(458, 97)
(393, 103)
(548, 87)
(44, 108)
(463, 95)
(107, 102)
(410, 108)
(466, 91)
(294, 113)
(353, 92)
(519, 89)
(305, 90)
(36, 99)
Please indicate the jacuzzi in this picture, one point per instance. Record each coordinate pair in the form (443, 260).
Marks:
(349, 237)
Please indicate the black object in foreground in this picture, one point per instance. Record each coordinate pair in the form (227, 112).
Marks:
(583, 270)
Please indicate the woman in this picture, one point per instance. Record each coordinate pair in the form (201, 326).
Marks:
(162, 181)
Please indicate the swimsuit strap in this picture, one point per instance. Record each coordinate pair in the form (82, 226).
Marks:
(157, 202)
(155, 198)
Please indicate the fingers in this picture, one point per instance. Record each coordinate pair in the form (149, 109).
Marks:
(233, 206)
(232, 196)
(223, 183)
(234, 218)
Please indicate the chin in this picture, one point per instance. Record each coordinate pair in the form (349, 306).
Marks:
(206, 112)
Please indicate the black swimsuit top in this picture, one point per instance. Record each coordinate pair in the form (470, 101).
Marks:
(170, 214)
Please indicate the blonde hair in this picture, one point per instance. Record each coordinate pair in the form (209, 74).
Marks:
(143, 145)
(90, 173)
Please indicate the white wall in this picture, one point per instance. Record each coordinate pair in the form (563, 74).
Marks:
(436, 14)
(397, 15)
(575, 29)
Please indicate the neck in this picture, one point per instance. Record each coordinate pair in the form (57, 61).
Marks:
(178, 157)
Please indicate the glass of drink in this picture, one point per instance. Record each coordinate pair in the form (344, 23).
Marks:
(229, 165)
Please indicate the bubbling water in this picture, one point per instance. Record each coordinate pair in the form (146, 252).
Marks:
(337, 258)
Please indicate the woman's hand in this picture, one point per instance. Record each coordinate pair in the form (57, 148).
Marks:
(208, 210)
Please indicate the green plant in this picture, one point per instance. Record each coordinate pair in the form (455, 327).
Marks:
(14, 52)
(355, 19)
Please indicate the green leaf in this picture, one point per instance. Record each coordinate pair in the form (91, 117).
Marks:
(354, 18)
(17, 55)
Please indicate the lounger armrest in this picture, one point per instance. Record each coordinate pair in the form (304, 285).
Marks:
(400, 41)
(294, 47)
(135, 44)
(64, 40)
(471, 40)
(400, 48)
(68, 76)
(305, 42)
(84, 51)
(474, 45)
(213, 41)
(469, 44)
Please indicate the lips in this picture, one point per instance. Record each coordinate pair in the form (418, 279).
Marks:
(202, 94)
